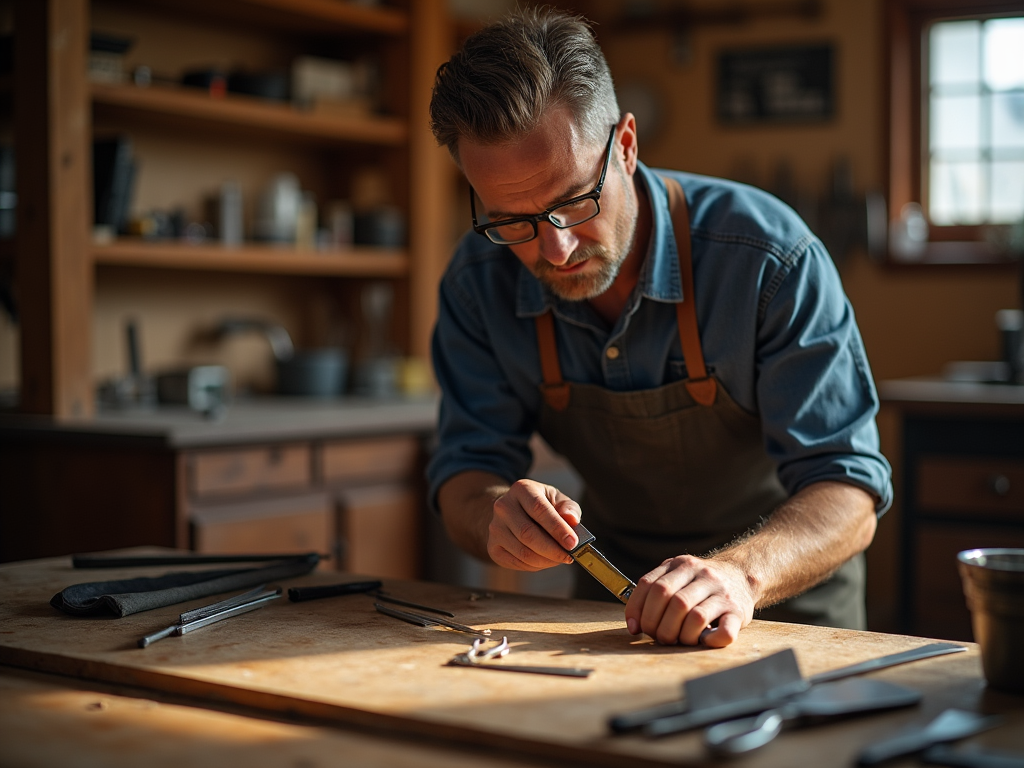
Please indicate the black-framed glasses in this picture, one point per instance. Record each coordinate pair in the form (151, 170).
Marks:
(563, 215)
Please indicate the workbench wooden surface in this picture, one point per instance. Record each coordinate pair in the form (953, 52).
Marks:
(48, 721)
(338, 660)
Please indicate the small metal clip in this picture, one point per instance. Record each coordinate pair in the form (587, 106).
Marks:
(475, 656)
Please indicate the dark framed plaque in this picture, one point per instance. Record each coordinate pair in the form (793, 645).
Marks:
(775, 85)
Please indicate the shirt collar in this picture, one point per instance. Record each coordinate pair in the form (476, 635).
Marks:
(659, 276)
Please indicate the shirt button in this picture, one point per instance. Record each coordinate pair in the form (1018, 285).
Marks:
(612, 353)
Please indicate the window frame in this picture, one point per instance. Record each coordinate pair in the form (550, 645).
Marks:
(906, 21)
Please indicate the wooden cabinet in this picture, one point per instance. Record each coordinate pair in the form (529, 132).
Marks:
(186, 140)
(961, 487)
(284, 482)
(358, 500)
(248, 470)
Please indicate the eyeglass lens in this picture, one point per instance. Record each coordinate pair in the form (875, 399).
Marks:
(568, 215)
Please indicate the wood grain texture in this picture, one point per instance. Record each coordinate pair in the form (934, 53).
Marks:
(338, 660)
(49, 721)
(53, 266)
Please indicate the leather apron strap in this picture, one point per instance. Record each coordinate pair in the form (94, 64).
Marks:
(702, 388)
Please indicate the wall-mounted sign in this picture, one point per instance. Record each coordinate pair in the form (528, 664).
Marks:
(775, 85)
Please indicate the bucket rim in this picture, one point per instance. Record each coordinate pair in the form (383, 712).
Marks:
(976, 558)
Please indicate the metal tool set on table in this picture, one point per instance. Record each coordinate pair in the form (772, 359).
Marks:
(741, 709)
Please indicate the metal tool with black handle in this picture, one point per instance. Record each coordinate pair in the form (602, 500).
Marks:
(211, 614)
(302, 594)
(643, 718)
(821, 703)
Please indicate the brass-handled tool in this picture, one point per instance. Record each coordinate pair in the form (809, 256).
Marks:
(210, 614)
(597, 565)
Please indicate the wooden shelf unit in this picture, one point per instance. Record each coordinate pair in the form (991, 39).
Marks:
(321, 16)
(57, 109)
(255, 259)
(198, 108)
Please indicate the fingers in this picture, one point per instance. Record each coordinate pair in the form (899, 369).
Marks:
(689, 600)
(531, 527)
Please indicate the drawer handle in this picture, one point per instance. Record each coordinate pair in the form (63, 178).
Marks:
(1000, 485)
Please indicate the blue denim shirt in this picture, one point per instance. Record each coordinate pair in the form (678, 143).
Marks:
(776, 328)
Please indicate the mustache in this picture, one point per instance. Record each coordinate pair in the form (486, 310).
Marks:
(581, 254)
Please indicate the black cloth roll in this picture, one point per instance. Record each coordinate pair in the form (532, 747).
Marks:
(124, 597)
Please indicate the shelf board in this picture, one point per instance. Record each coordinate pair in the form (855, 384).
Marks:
(321, 17)
(359, 261)
(233, 111)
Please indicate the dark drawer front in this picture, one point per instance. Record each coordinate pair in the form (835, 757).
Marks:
(953, 486)
(249, 470)
(940, 608)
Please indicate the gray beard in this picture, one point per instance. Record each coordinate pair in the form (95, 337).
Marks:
(585, 287)
(582, 287)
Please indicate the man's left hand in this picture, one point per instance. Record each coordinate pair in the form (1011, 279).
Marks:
(685, 595)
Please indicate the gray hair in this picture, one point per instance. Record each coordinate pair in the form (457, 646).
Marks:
(507, 75)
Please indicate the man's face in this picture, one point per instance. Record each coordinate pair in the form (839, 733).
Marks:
(553, 164)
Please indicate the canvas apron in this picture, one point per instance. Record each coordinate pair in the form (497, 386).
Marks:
(679, 469)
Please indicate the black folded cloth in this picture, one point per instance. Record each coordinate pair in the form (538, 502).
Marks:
(124, 597)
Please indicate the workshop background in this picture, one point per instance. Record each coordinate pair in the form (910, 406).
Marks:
(204, 205)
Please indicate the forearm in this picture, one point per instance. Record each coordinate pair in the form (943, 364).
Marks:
(466, 501)
(805, 540)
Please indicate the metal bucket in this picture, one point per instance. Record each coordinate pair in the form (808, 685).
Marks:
(993, 581)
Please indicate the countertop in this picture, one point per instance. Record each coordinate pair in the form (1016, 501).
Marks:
(937, 389)
(277, 419)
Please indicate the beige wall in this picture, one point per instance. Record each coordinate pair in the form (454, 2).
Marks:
(913, 319)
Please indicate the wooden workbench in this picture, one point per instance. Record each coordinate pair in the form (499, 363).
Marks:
(339, 661)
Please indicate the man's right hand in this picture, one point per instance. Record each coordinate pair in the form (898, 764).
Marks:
(526, 526)
(531, 527)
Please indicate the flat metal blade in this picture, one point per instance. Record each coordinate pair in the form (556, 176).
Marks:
(598, 566)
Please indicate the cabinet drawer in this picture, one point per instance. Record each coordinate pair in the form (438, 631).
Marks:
(380, 531)
(956, 485)
(359, 461)
(290, 525)
(248, 470)
(940, 609)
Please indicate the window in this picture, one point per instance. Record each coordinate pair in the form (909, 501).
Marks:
(975, 121)
(956, 122)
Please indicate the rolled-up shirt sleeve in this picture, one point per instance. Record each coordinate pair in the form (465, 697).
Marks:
(815, 391)
(483, 424)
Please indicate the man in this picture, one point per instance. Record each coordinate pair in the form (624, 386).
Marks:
(684, 341)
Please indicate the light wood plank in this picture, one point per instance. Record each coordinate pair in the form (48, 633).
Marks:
(253, 258)
(339, 660)
(321, 17)
(50, 721)
(197, 107)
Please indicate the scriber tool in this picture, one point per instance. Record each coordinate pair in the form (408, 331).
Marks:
(210, 614)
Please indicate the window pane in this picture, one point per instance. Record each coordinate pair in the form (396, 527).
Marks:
(956, 193)
(1007, 193)
(1008, 119)
(955, 48)
(1004, 54)
(955, 122)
